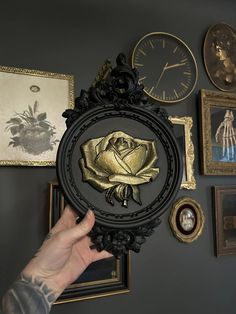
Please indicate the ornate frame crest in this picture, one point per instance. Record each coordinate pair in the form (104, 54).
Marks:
(118, 107)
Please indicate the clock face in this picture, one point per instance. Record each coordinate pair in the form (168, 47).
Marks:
(166, 67)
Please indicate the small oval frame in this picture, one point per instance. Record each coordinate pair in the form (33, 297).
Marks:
(182, 204)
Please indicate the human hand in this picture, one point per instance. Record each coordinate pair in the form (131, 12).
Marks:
(65, 253)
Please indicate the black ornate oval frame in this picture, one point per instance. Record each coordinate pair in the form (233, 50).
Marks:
(118, 104)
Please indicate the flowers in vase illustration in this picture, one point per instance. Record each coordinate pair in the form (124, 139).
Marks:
(31, 131)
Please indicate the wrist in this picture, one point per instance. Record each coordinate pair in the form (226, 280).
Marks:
(50, 284)
(28, 295)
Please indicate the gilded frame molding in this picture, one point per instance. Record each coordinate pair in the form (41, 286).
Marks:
(211, 101)
(187, 123)
(186, 203)
(119, 283)
(40, 74)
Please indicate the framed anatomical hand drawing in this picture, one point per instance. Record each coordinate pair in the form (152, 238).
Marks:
(218, 133)
(30, 120)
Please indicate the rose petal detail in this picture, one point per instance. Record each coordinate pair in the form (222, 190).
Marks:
(127, 179)
(149, 174)
(98, 182)
(105, 141)
(111, 163)
(89, 156)
(151, 157)
(136, 159)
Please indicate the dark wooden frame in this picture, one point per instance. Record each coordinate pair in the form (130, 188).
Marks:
(224, 223)
(96, 287)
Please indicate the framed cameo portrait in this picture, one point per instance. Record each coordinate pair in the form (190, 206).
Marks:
(120, 158)
(219, 53)
(186, 219)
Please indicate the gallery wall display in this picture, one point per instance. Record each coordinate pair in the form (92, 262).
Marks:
(30, 115)
(103, 278)
(186, 219)
(182, 131)
(218, 132)
(120, 158)
(225, 219)
(219, 53)
(166, 65)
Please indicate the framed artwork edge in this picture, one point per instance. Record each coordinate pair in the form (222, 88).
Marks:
(217, 191)
(45, 74)
(224, 99)
(189, 238)
(187, 123)
(123, 281)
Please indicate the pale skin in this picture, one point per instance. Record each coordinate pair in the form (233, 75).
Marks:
(63, 257)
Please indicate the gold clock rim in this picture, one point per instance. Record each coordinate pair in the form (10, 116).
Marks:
(191, 53)
(204, 58)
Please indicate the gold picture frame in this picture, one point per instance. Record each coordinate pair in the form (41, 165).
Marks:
(30, 115)
(186, 219)
(184, 136)
(218, 131)
(103, 278)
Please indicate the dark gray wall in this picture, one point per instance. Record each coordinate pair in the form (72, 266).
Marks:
(71, 36)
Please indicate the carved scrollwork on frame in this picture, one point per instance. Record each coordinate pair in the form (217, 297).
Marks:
(119, 157)
(188, 181)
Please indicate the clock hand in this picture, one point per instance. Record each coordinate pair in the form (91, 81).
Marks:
(163, 70)
(174, 66)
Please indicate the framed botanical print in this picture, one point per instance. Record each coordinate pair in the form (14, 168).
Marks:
(218, 133)
(102, 278)
(182, 130)
(186, 219)
(30, 115)
(225, 219)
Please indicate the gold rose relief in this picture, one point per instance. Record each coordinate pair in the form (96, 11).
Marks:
(118, 164)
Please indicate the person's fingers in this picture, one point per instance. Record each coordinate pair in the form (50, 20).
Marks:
(67, 220)
(82, 229)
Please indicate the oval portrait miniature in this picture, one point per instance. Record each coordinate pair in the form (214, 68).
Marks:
(219, 53)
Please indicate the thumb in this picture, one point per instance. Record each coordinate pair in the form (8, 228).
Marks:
(82, 229)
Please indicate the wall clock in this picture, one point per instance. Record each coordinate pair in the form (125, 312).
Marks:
(166, 66)
(119, 157)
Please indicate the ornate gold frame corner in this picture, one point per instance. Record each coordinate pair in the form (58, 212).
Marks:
(179, 205)
(187, 123)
